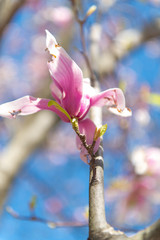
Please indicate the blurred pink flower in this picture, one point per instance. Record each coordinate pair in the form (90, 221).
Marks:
(153, 160)
(73, 93)
(61, 16)
(146, 160)
(136, 205)
(134, 197)
(53, 205)
(155, 2)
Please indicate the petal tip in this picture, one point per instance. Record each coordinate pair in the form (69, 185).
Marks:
(126, 112)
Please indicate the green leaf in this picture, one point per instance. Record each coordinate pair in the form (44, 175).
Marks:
(154, 99)
(100, 132)
(33, 202)
(103, 129)
(54, 103)
(122, 85)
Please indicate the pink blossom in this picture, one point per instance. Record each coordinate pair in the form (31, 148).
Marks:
(155, 2)
(135, 197)
(53, 205)
(73, 93)
(146, 160)
(136, 205)
(62, 16)
(153, 160)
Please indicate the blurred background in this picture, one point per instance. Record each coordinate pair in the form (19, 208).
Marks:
(38, 155)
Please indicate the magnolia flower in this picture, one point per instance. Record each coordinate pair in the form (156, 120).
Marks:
(74, 96)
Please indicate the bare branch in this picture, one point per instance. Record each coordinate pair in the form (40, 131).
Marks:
(96, 190)
(50, 223)
(83, 42)
(99, 229)
(28, 137)
(150, 233)
(7, 11)
(125, 42)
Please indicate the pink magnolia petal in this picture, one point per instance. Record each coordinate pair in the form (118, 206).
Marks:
(88, 92)
(85, 106)
(28, 105)
(113, 97)
(125, 113)
(67, 74)
(84, 156)
(21, 106)
(57, 92)
(88, 128)
(51, 43)
(54, 48)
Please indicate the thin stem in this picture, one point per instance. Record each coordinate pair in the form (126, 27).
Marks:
(51, 224)
(97, 219)
(83, 42)
(84, 52)
(82, 138)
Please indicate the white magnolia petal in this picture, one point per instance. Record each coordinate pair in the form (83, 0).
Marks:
(123, 113)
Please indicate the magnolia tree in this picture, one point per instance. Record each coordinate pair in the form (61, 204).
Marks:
(78, 101)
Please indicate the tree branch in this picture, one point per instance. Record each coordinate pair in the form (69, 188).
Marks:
(7, 10)
(150, 233)
(125, 42)
(28, 137)
(50, 223)
(99, 229)
(82, 38)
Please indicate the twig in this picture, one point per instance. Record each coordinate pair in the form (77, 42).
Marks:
(51, 224)
(83, 43)
(82, 138)
(8, 12)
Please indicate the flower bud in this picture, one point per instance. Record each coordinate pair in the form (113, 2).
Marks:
(91, 10)
(75, 124)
